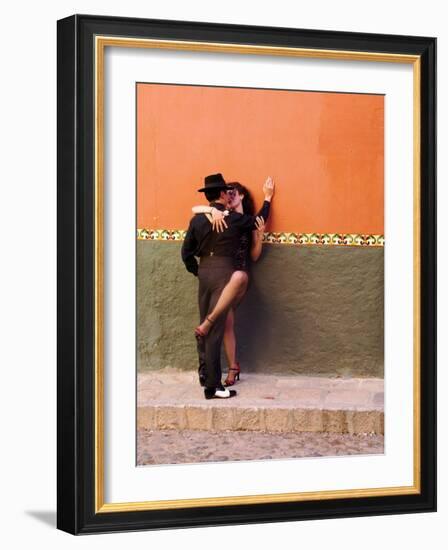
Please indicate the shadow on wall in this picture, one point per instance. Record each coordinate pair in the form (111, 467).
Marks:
(269, 332)
(308, 310)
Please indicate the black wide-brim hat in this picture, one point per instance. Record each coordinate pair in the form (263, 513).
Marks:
(215, 181)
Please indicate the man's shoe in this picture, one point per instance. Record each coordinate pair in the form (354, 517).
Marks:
(219, 393)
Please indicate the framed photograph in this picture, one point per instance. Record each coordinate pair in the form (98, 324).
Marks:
(246, 274)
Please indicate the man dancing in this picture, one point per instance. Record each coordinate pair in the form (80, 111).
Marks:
(216, 252)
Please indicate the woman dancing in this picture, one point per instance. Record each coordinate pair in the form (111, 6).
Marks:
(249, 250)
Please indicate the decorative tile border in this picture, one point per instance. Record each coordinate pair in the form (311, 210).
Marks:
(326, 239)
(161, 234)
(331, 239)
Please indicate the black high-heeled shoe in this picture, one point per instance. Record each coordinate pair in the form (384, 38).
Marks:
(231, 379)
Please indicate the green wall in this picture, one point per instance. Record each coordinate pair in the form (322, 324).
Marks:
(313, 310)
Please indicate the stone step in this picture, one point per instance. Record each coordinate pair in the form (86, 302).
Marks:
(169, 399)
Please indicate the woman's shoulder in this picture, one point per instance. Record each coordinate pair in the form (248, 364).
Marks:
(238, 216)
(235, 214)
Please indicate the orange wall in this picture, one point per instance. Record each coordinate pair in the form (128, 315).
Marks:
(325, 152)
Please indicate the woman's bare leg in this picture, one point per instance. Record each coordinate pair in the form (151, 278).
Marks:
(230, 348)
(229, 338)
(233, 291)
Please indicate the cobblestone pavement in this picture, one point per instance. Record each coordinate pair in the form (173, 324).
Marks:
(191, 446)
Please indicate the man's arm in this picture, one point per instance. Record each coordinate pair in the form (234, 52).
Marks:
(189, 248)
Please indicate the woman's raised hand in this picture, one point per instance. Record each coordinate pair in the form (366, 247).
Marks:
(268, 189)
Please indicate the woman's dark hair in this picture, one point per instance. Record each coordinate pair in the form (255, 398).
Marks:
(248, 201)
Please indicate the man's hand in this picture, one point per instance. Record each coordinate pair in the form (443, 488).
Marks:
(268, 189)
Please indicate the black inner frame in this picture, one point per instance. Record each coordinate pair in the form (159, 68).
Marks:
(75, 269)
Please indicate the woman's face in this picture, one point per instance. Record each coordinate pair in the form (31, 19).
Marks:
(235, 200)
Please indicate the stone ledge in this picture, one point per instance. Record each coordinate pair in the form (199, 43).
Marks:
(266, 419)
(173, 400)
